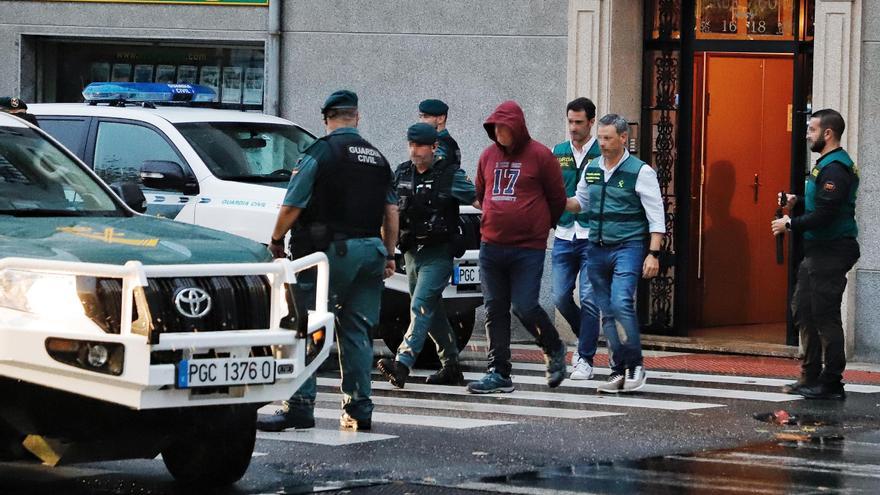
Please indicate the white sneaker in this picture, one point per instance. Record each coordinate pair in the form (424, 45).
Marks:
(635, 379)
(613, 385)
(582, 370)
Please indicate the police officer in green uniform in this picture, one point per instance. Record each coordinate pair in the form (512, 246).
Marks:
(435, 112)
(429, 189)
(340, 201)
(831, 248)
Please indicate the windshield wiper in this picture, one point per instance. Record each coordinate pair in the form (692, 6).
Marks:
(44, 212)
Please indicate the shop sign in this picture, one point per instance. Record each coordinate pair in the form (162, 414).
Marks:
(180, 2)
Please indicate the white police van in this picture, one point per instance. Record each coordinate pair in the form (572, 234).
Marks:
(125, 336)
(226, 170)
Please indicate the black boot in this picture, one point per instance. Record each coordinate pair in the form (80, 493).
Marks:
(393, 371)
(450, 374)
(823, 391)
(285, 418)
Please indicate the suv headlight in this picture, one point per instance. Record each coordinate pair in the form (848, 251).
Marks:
(45, 294)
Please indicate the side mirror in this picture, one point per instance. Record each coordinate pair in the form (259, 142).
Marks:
(161, 174)
(131, 195)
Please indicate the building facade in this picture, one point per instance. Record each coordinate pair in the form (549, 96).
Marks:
(717, 92)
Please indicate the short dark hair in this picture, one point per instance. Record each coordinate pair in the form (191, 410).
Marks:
(582, 105)
(830, 119)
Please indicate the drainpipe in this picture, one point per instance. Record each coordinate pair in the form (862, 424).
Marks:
(273, 59)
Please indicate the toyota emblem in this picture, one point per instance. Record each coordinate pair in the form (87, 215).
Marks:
(192, 302)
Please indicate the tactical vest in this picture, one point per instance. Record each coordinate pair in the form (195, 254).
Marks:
(428, 211)
(844, 224)
(351, 186)
(448, 148)
(616, 213)
(571, 174)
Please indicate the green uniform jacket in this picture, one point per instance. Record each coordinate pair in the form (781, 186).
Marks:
(571, 174)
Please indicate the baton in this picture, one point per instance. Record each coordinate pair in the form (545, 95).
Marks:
(780, 239)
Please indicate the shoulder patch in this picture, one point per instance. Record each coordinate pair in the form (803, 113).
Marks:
(829, 186)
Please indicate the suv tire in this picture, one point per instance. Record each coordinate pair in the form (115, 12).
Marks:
(214, 448)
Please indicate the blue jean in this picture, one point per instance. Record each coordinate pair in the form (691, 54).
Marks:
(614, 272)
(570, 264)
(511, 276)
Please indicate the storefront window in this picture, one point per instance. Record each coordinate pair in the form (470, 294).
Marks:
(745, 19)
(236, 74)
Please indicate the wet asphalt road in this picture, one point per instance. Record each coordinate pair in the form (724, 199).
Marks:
(446, 442)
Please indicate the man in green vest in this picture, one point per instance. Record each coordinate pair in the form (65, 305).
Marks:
(621, 197)
(569, 256)
(831, 248)
(429, 189)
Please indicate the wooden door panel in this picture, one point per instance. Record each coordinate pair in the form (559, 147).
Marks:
(746, 140)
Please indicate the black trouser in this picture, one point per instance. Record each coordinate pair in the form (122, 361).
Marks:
(821, 280)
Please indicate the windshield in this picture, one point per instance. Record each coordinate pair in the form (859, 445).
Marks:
(248, 151)
(38, 179)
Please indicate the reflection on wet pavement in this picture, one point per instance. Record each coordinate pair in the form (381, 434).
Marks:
(821, 464)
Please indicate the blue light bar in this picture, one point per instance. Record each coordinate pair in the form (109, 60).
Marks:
(105, 92)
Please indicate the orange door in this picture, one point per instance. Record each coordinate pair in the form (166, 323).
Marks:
(744, 136)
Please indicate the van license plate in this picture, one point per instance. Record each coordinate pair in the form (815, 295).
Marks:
(192, 373)
(463, 275)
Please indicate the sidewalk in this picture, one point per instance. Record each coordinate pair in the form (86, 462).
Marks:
(721, 364)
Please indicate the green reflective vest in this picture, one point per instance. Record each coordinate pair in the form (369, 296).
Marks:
(616, 213)
(571, 173)
(844, 225)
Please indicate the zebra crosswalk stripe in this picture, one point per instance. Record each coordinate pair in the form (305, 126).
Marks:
(477, 407)
(628, 401)
(717, 393)
(698, 377)
(318, 436)
(419, 420)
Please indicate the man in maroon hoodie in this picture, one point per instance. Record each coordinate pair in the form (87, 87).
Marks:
(519, 184)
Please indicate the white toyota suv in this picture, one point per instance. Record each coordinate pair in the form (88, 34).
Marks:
(125, 336)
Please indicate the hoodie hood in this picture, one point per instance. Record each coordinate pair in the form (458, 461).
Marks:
(510, 114)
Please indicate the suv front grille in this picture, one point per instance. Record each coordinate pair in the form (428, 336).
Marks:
(237, 303)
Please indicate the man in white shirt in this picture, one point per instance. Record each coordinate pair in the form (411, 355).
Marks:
(569, 257)
(621, 197)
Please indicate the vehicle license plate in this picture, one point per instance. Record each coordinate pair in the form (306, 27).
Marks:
(193, 373)
(466, 275)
